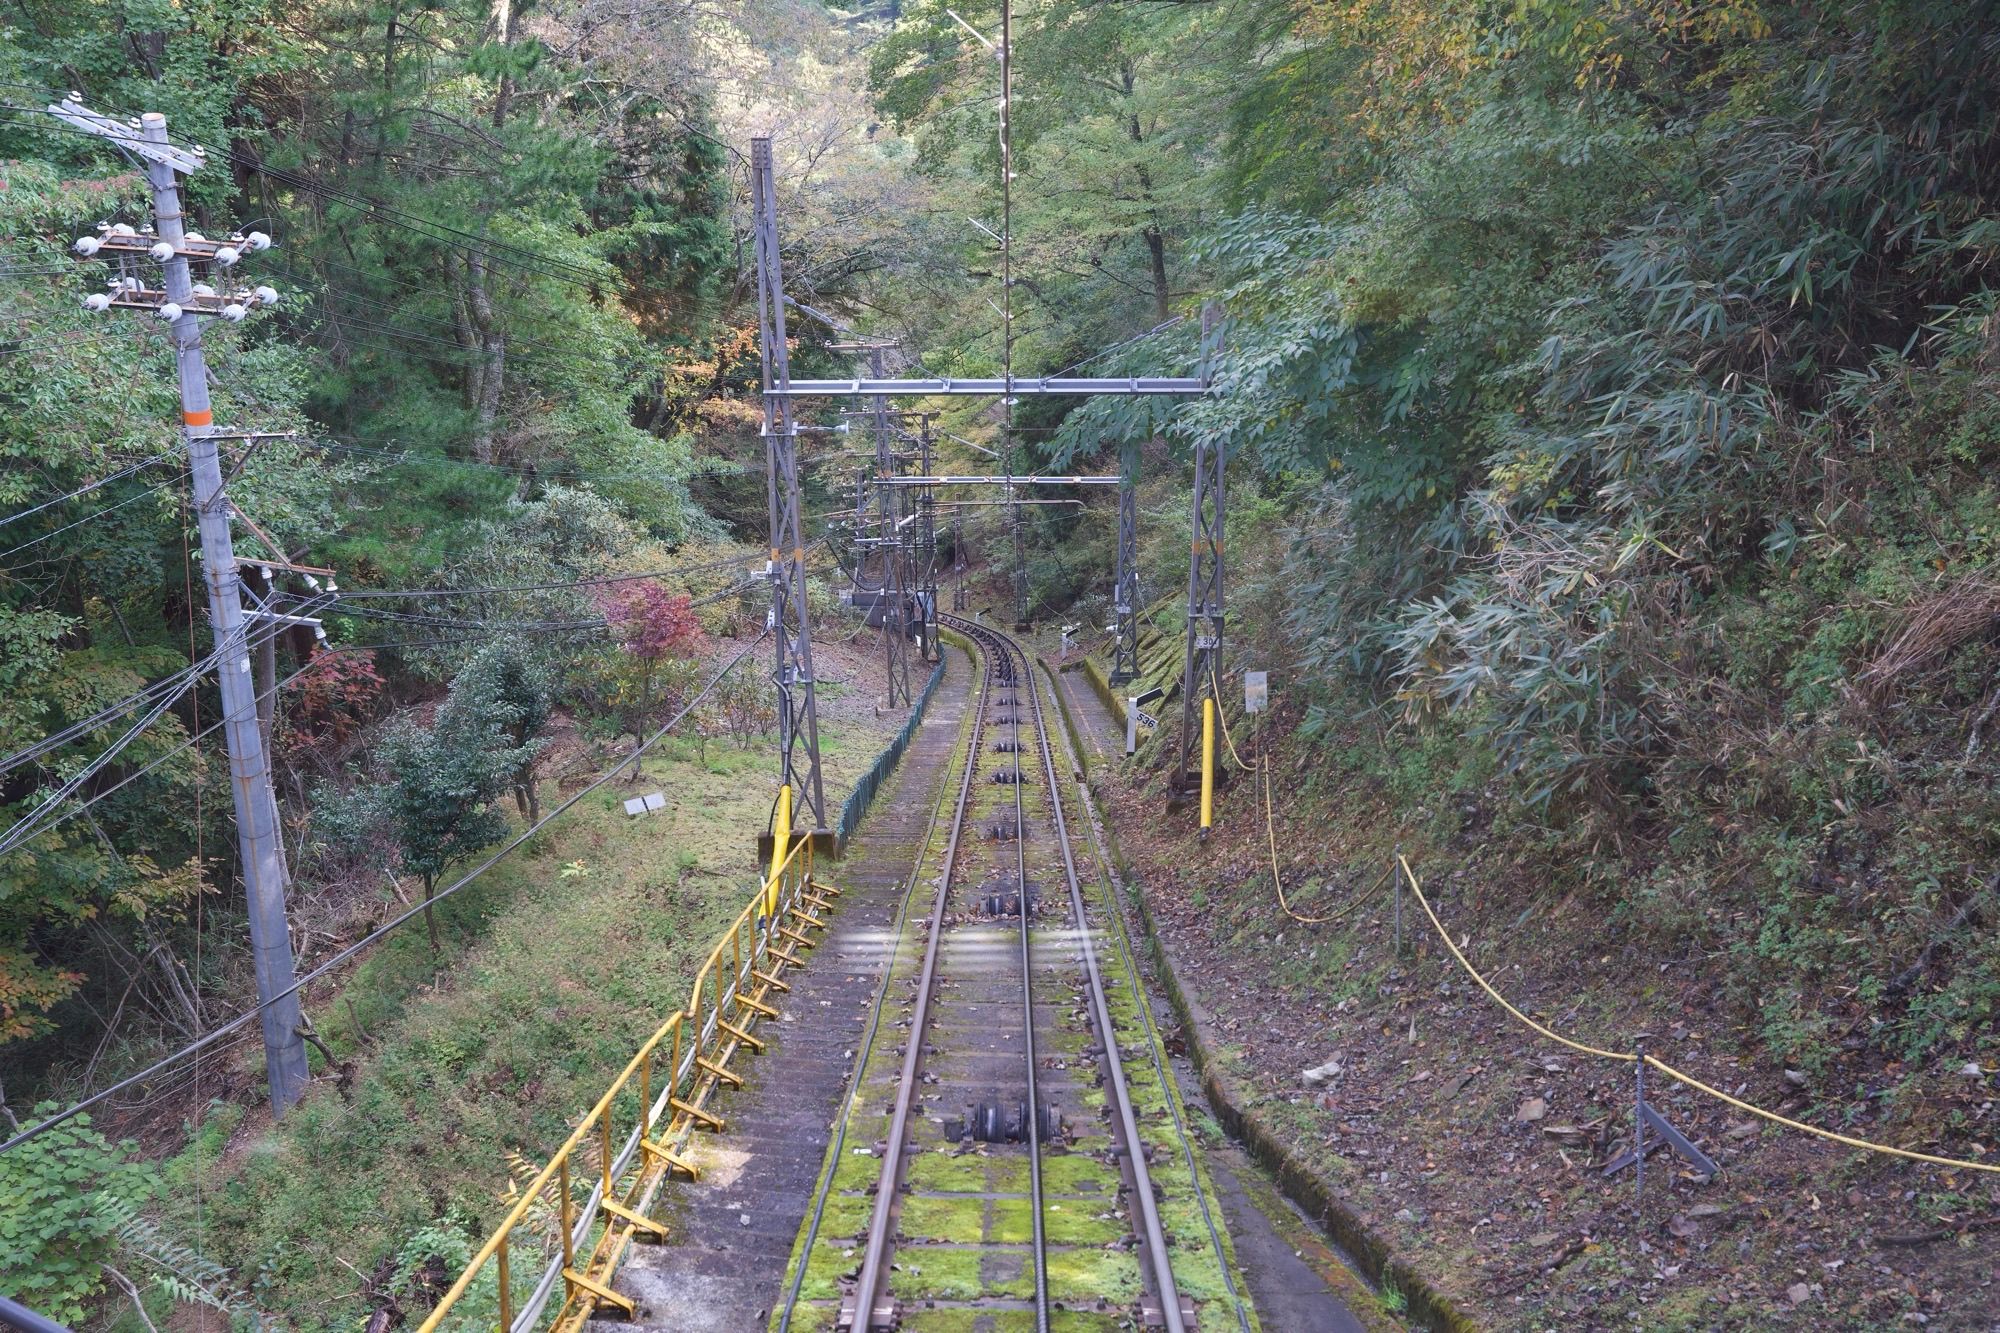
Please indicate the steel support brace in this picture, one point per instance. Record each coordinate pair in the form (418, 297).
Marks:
(927, 555)
(1203, 663)
(895, 553)
(798, 711)
(960, 600)
(1021, 621)
(1125, 591)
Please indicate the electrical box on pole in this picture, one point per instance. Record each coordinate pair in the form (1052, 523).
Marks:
(798, 710)
(183, 303)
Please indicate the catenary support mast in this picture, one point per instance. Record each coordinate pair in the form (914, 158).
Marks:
(1125, 588)
(798, 711)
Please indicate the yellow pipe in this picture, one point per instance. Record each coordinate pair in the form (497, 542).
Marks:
(1207, 763)
(781, 837)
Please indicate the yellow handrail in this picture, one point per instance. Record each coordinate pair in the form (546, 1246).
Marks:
(789, 877)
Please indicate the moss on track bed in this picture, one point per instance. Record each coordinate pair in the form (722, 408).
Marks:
(960, 1198)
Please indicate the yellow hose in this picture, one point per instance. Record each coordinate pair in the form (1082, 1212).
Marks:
(1667, 1069)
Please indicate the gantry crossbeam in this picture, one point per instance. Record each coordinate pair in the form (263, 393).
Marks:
(1127, 387)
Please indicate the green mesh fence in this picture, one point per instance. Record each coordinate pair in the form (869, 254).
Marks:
(864, 791)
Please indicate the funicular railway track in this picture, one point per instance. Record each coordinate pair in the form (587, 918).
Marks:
(994, 1171)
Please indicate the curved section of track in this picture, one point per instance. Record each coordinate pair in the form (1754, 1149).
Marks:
(1008, 1175)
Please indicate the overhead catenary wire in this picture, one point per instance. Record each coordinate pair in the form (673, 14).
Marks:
(109, 713)
(216, 1034)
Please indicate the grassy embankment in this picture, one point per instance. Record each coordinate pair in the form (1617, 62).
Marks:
(556, 965)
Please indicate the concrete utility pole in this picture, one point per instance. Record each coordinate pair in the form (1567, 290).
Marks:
(259, 843)
(798, 709)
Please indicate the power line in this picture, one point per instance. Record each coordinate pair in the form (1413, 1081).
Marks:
(85, 490)
(216, 1034)
(174, 480)
(391, 645)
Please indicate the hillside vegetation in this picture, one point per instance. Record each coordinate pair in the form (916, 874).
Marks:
(1609, 388)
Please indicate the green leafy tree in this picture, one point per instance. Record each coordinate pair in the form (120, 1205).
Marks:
(509, 689)
(438, 801)
(59, 1225)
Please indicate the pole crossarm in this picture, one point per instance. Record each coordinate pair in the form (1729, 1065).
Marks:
(154, 149)
(1126, 387)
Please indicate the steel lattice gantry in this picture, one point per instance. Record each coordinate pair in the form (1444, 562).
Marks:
(895, 553)
(1201, 675)
(926, 543)
(798, 710)
(1203, 663)
(1125, 590)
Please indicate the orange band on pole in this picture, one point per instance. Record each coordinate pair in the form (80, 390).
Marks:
(197, 418)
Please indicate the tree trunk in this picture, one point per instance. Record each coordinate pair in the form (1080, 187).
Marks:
(430, 910)
(1156, 239)
(503, 27)
(388, 86)
(490, 367)
(1156, 249)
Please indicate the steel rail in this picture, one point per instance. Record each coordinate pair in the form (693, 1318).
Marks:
(825, 1187)
(1148, 1209)
(881, 1225)
(1121, 936)
(1033, 1116)
(1008, 666)
(1153, 1236)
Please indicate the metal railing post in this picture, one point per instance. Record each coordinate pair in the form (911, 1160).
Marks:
(604, 1149)
(568, 1218)
(506, 1280)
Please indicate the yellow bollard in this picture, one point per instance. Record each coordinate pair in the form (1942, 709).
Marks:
(781, 842)
(1207, 763)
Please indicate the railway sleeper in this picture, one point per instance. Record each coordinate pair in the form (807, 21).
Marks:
(1152, 1316)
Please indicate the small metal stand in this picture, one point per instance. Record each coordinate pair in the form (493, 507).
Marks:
(1645, 1118)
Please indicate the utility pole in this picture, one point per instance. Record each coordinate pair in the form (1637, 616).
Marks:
(1125, 590)
(259, 844)
(798, 709)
